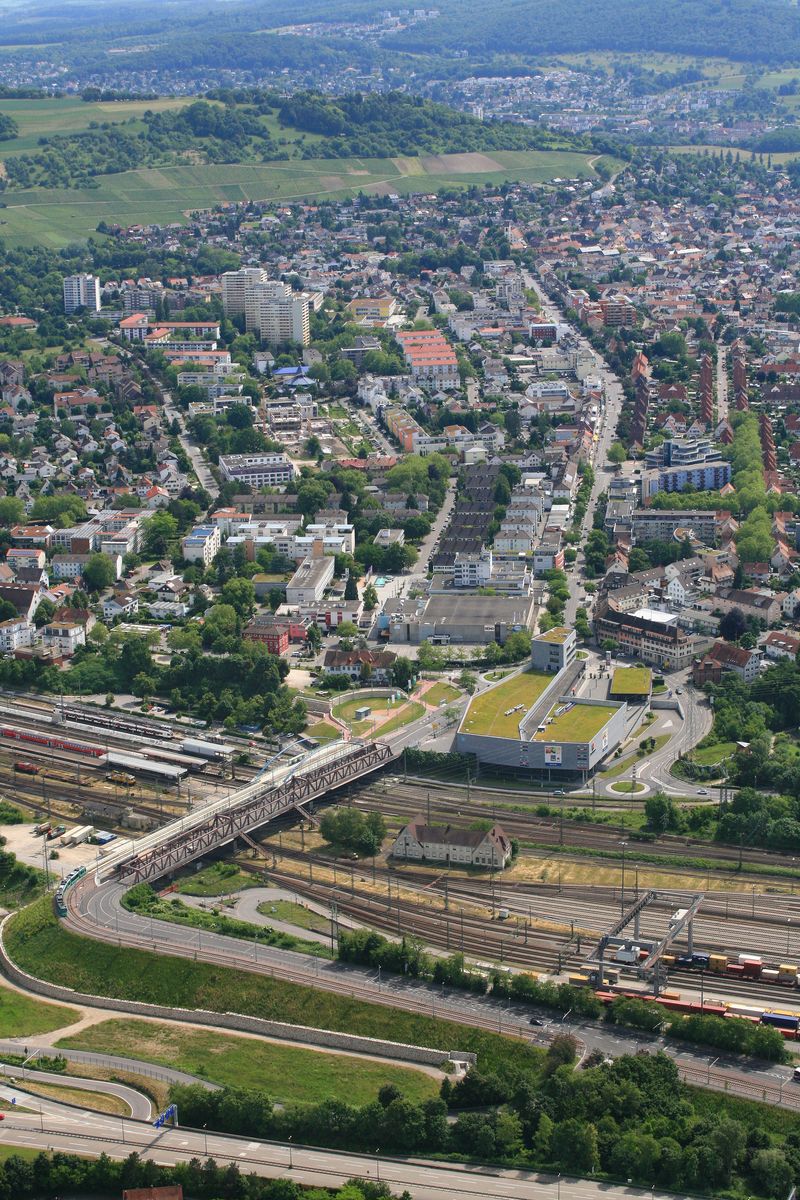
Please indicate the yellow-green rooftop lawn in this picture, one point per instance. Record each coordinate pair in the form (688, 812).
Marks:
(631, 681)
(579, 724)
(486, 714)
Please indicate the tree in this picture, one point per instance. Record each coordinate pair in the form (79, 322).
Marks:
(12, 511)
(617, 454)
(44, 613)
(661, 812)
(240, 594)
(562, 1050)
(370, 597)
(402, 673)
(733, 625)
(160, 530)
(772, 1172)
(544, 1138)
(99, 572)
(430, 658)
(351, 588)
(314, 637)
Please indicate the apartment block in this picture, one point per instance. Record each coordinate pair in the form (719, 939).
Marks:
(257, 470)
(430, 357)
(201, 545)
(81, 291)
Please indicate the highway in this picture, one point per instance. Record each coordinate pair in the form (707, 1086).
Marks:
(61, 1128)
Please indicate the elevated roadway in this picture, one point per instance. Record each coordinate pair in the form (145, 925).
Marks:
(269, 795)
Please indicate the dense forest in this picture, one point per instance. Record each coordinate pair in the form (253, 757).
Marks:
(180, 38)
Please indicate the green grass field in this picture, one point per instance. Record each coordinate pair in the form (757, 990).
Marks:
(490, 714)
(38, 943)
(440, 692)
(323, 732)
(631, 681)
(380, 706)
(295, 914)
(289, 1074)
(579, 724)
(22, 1016)
(55, 217)
(220, 879)
(709, 756)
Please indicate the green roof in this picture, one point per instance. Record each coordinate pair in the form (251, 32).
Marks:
(498, 711)
(559, 635)
(631, 681)
(572, 721)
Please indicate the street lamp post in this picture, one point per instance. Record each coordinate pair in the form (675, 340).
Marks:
(291, 1163)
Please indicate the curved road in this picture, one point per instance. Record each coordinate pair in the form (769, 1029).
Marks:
(140, 1107)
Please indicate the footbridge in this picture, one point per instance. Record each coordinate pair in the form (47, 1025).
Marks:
(258, 802)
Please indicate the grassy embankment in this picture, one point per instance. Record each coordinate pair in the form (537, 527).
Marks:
(38, 943)
(288, 1074)
(23, 1016)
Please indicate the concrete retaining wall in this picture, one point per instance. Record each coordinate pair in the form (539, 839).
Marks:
(234, 1021)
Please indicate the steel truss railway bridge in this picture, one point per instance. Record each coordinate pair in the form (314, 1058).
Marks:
(268, 796)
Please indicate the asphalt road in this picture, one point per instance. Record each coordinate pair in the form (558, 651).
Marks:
(15, 1090)
(58, 1127)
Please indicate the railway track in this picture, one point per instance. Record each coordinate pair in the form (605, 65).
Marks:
(408, 800)
(447, 930)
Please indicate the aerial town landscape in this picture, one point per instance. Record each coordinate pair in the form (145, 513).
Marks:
(399, 600)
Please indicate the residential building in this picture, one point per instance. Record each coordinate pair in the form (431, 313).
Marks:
(16, 633)
(202, 544)
(724, 656)
(653, 636)
(374, 666)
(270, 308)
(447, 843)
(63, 637)
(779, 644)
(430, 357)
(473, 570)
(257, 470)
(120, 605)
(81, 291)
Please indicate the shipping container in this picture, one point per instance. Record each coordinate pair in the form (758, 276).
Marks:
(751, 958)
(779, 1020)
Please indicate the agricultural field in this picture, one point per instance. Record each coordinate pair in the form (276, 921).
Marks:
(579, 723)
(490, 714)
(62, 115)
(55, 217)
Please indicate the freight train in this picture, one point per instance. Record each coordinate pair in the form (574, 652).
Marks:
(787, 1021)
(744, 966)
